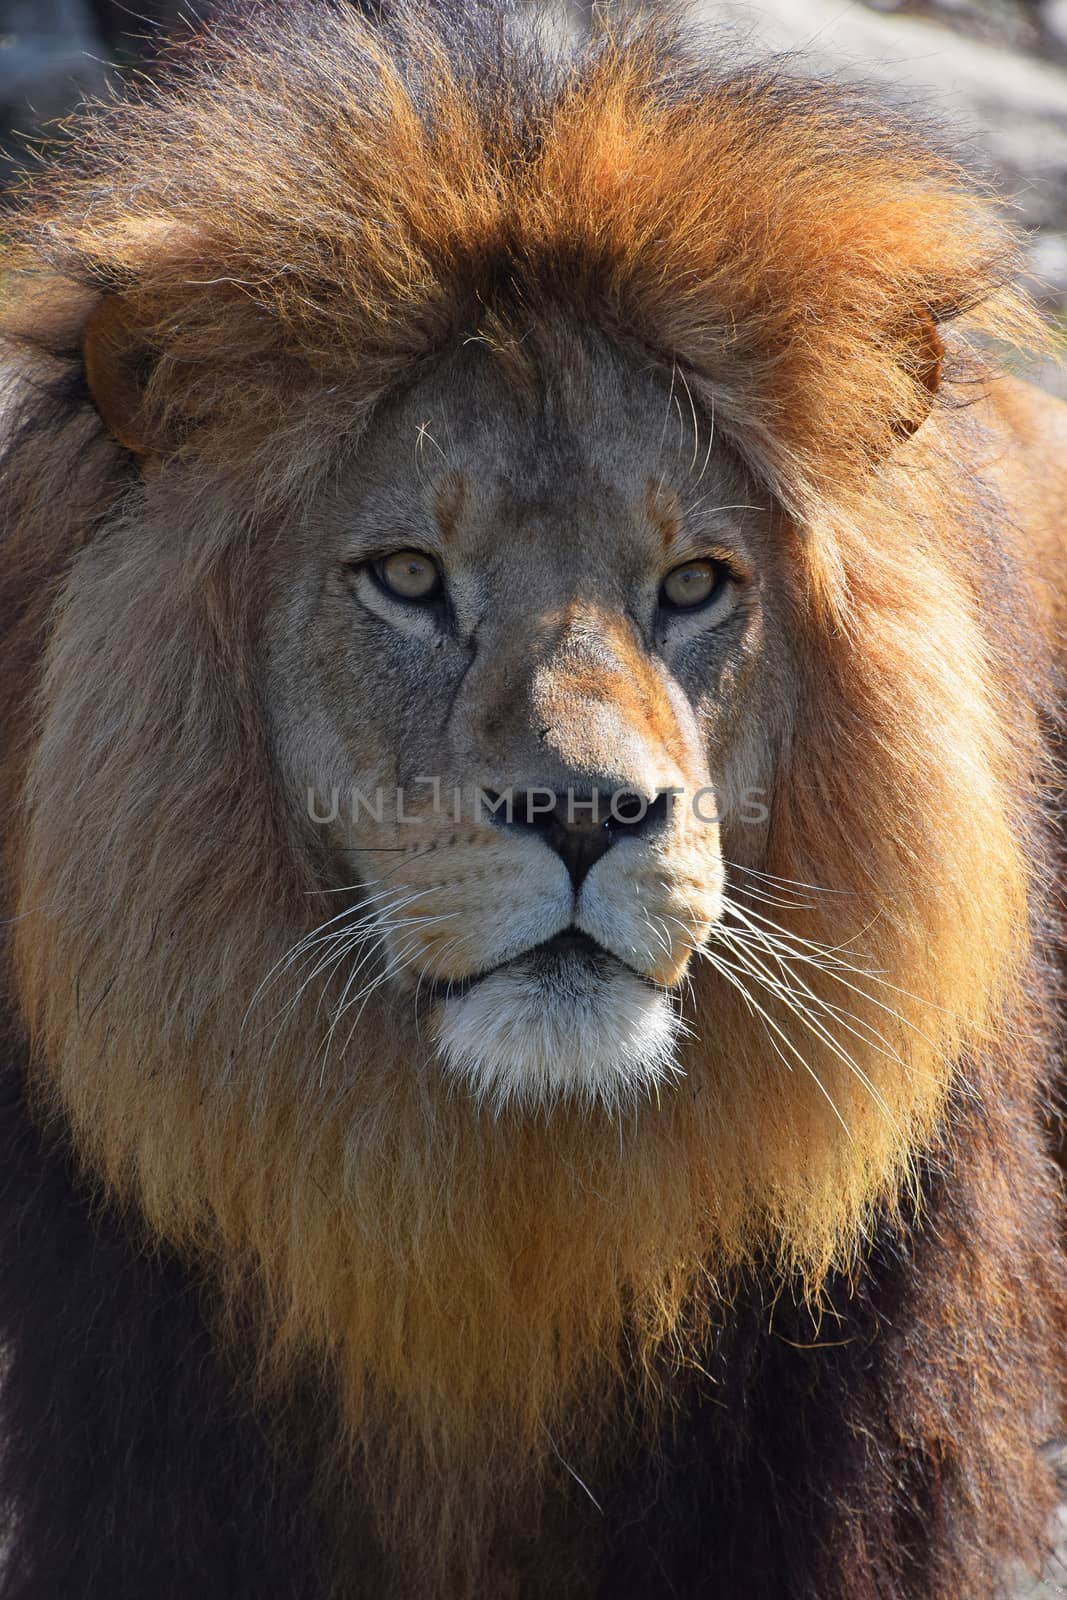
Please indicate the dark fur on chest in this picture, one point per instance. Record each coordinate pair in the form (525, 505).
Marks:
(887, 1448)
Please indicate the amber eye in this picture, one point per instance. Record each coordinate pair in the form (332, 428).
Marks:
(409, 575)
(692, 584)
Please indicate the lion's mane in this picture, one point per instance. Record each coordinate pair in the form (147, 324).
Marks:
(303, 217)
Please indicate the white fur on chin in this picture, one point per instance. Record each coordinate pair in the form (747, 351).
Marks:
(527, 1037)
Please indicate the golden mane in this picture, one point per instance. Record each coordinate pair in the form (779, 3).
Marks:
(301, 220)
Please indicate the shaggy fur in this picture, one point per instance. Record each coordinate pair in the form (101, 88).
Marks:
(799, 1336)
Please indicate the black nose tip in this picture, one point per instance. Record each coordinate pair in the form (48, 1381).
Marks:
(578, 826)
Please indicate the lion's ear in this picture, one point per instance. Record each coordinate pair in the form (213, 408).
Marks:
(925, 352)
(117, 366)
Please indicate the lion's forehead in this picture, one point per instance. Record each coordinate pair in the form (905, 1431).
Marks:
(586, 466)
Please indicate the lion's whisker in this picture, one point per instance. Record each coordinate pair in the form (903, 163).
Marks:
(695, 505)
(667, 411)
(768, 899)
(789, 997)
(373, 935)
(295, 950)
(770, 1025)
(785, 989)
(711, 441)
(367, 931)
(327, 965)
(359, 915)
(339, 1010)
(788, 960)
(404, 924)
(658, 934)
(400, 963)
(779, 882)
(696, 424)
(396, 965)
(824, 950)
(835, 968)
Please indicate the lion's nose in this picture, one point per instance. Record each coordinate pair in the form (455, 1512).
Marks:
(580, 827)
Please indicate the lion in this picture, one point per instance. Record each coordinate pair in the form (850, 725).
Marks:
(531, 709)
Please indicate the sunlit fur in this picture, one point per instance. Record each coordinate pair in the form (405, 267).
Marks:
(517, 1041)
(306, 221)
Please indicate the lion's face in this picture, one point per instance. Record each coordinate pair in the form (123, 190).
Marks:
(509, 655)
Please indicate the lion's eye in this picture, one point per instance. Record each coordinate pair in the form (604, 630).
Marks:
(409, 575)
(692, 584)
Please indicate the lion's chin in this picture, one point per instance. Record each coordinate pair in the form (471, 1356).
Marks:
(558, 1024)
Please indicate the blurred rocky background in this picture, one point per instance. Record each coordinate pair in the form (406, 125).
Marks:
(993, 71)
(53, 52)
